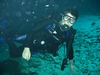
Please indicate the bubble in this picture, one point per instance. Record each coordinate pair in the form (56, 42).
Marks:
(22, 3)
(29, 2)
(7, 14)
(56, 7)
(35, 17)
(33, 12)
(46, 5)
(7, 50)
(27, 20)
(51, 1)
(18, 14)
(3, 4)
(28, 13)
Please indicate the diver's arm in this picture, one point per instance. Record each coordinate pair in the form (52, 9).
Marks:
(69, 52)
(37, 27)
(69, 44)
(26, 52)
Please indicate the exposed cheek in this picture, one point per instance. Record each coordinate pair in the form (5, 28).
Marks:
(70, 25)
(67, 23)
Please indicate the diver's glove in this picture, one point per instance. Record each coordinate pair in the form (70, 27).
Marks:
(64, 63)
(72, 65)
(26, 53)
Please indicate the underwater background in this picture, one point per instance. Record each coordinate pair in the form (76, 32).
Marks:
(22, 15)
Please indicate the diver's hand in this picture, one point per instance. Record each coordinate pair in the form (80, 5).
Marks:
(26, 53)
(71, 66)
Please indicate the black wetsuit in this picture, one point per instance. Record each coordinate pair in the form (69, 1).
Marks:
(47, 35)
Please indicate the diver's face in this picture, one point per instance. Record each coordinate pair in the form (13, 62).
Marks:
(67, 21)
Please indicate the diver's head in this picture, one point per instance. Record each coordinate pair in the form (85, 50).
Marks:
(68, 19)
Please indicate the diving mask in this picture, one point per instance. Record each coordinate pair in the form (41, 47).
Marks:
(68, 19)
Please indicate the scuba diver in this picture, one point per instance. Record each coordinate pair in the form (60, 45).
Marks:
(47, 35)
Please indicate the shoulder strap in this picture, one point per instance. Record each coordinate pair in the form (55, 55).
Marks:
(67, 34)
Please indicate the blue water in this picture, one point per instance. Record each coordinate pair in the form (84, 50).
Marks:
(17, 11)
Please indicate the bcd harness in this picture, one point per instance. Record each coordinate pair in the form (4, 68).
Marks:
(52, 31)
